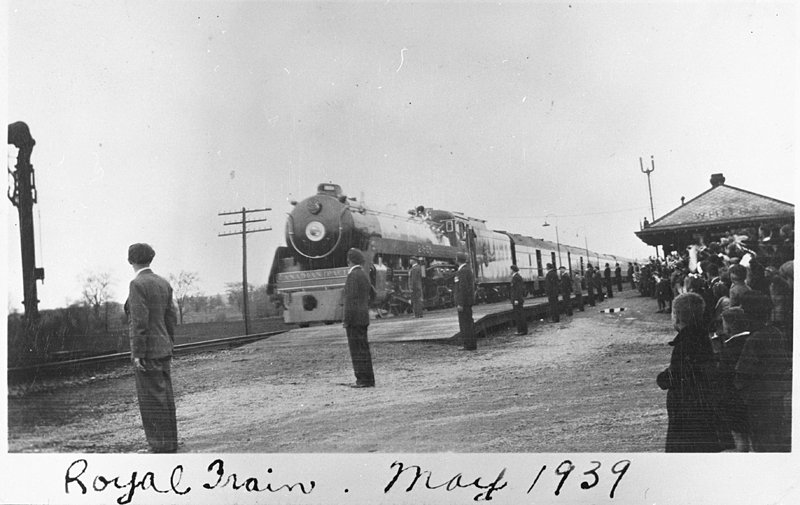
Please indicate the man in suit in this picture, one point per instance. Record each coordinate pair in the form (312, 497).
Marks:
(152, 320)
(552, 287)
(609, 285)
(598, 283)
(618, 276)
(357, 293)
(577, 288)
(631, 278)
(517, 293)
(566, 289)
(465, 298)
(589, 284)
(415, 283)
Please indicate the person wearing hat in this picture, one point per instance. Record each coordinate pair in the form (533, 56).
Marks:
(691, 424)
(517, 293)
(577, 288)
(415, 281)
(357, 294)
(589, 284)
(598, 283)
(609, 284)
(152, 320)
(566, 289)
(465, 298)
(552, 287)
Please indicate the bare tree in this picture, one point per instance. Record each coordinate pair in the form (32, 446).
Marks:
(236, 296)
(184, 286)
(96, 293)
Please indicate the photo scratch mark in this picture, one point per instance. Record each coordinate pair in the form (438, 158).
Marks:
(401, 59)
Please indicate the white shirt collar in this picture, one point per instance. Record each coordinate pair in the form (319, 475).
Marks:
(353, 268)
(140, 271)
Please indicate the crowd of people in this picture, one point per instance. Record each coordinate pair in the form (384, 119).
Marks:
(729, 378)
(598, 285)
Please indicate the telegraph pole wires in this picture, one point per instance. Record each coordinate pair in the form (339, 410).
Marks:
(244, 222)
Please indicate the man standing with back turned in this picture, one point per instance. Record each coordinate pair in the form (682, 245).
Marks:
(517, 292)
(415, 283)
(357, 293)
(552, 286)
(465, 298)
(152, 334)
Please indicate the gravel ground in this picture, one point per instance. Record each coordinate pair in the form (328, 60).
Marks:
(586, 384)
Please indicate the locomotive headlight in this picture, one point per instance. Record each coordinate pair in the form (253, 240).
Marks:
(315, 231)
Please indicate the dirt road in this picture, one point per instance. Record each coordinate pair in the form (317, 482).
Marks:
(586, 384)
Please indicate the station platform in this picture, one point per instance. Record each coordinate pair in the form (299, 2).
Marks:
(440, 324)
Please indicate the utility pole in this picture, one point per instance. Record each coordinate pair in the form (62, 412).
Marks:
(244, 222)
(23, 197)
(649, 187)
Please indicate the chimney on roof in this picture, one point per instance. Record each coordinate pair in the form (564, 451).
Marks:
(717, 180)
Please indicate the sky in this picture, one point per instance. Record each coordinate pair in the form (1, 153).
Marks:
(151, 118)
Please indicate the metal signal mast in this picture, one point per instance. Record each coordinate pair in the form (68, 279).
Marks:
(244, 222)
(23, 196)
(648, 171)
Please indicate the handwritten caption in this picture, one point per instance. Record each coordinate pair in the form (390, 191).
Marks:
(399, 478)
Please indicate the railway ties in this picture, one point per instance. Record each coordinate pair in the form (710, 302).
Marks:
(57, 368)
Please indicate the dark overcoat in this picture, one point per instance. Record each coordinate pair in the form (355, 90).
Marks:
(552, 284)
(690, 399)
(465, 287)
(357, 291)
(517, 288)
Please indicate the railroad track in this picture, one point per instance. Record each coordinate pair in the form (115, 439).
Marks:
(487, 324)
(54, 367)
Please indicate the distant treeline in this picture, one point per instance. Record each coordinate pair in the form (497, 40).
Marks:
(83, 329)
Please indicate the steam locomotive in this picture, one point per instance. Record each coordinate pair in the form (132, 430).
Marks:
(309, 272)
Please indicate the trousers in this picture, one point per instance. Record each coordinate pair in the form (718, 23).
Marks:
(360, 355)
(552, 300)
(465, 326)
(519, 316)
(157, 404)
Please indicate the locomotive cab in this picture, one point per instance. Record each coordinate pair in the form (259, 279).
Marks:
(333, 190)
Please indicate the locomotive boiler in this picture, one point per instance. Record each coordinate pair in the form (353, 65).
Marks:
(309, 272)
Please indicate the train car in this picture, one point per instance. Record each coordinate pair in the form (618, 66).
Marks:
(309, 272)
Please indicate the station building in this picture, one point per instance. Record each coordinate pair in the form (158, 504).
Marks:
(723, 218)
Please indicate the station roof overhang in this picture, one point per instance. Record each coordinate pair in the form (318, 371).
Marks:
(717, 210)
(683, 233)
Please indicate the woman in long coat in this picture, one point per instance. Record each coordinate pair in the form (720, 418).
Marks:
(690, 399)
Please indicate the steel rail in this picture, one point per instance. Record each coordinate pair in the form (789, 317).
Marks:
(180, 349)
